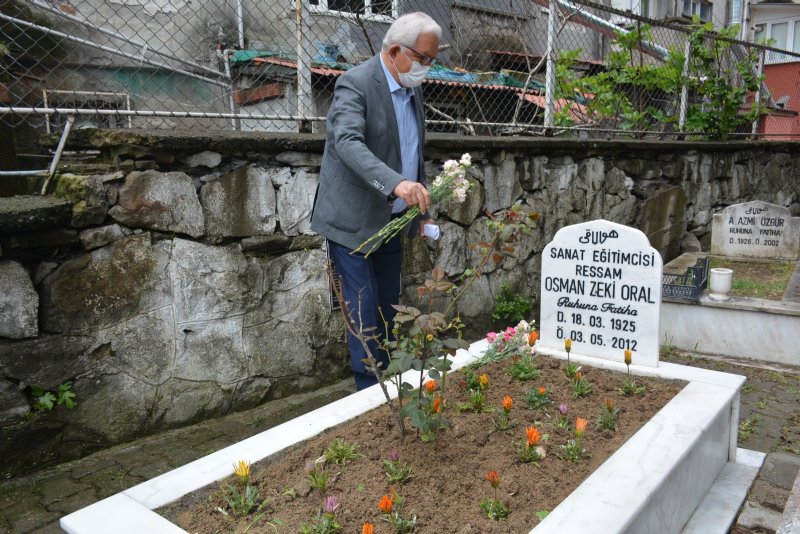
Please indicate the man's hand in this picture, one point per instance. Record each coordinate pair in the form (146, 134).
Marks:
(414, 193)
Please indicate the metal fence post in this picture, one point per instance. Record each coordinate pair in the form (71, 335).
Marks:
(550, 80)
(687, 51)
(304, 94)
(757, 99)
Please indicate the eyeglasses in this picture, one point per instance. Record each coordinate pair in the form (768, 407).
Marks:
(423, 59)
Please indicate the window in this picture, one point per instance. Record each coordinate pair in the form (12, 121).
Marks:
(375, 9)
(783, 34)
(92, 100)
(639, 7)
(701, 8)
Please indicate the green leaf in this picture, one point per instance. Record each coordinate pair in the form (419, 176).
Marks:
(45, 401)
(65, 398)
(541, 514)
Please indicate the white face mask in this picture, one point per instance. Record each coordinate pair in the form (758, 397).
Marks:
(415, 76)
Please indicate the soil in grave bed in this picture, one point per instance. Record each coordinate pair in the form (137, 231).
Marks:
(448, 480)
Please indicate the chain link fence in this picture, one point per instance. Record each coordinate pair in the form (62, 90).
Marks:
(271, 65)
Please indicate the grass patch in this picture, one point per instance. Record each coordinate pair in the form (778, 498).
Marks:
(764, 280)
(747, 427)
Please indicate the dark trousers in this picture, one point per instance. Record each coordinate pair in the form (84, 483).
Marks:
(370, 286)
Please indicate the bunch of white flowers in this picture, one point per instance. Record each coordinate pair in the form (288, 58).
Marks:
(451, 183)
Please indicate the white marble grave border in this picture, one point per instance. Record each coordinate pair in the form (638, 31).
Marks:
(651, 484)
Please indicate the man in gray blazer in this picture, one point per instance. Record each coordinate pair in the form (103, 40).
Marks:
(372, 170)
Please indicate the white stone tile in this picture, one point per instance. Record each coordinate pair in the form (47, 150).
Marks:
(750, 458)
(118, 514)
(717, 511)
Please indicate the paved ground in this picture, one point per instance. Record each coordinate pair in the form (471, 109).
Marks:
(769, 422)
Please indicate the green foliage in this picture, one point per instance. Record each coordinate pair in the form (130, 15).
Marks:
(636, 94)
(573, 451)
(242, 501)
(580, 387)
(495, 509)
(630, 388)
(607, 420)
(317, 477)
(44, 400)
(397, 472)
(541, 514)
(510, 306)
(524, 368)
(538, 398)
(341, 452)
(571, 370)
(477, 400)
(323, 524)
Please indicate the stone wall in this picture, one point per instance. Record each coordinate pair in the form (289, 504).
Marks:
(186, 282)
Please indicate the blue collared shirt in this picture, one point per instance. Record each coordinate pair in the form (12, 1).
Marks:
(407, 131)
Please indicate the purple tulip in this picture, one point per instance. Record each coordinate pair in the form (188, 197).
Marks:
(310, 466)
(394, 455)
(330, 504)
(563, 408)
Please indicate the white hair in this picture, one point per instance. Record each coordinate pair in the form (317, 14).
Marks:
(406, 30)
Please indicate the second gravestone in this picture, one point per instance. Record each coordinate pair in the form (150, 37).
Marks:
(756, 230)
(601, 287)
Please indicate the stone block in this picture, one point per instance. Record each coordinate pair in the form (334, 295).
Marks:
(239, 204)
(780, 469)
(299, 159)
(211, 282)
(501, 185)
(106, 286)
(88, 197)
(206, 158)
(755, 517)
(19, 302)
(99, 237)
(160, 201)
(32, 212)
(295, 202)
(451, 249)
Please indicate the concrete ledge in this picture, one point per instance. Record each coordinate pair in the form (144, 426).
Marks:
(744, 328)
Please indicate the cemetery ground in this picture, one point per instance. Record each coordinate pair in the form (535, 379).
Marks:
(769, 422)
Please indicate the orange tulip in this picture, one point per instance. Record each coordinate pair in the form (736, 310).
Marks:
(580, 426)
(609, 404)
(507, 403)
(430, 386)
(532, 435)
(628, 356)
(578, 375)
(385, 504)
(532, 337)
(484, 380)
(542, 390)
(493, 478)
(568, 344)
(368, 528)
(436, 406)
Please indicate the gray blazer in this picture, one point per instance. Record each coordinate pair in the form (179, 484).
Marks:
(361, 163)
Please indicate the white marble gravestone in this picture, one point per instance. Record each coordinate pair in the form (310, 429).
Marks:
(756, 230)
(601, 287)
